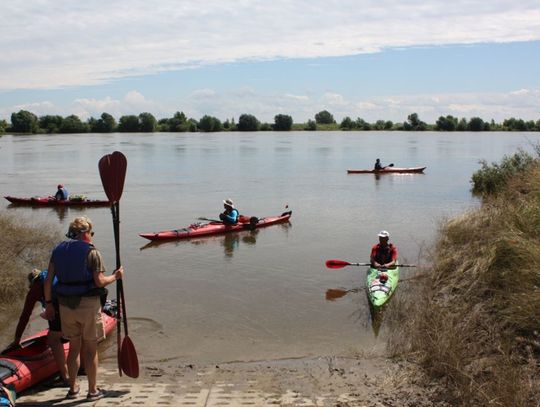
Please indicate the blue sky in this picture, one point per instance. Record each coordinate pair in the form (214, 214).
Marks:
(372, 59)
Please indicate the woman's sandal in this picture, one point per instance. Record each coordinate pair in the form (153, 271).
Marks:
(95, 396)
(73, 394)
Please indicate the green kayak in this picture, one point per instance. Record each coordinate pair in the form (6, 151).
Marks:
(378, 290)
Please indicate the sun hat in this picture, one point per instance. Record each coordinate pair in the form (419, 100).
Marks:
(229, 202)
(384, 233)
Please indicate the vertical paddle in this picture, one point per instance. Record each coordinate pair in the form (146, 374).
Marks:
(112, 169)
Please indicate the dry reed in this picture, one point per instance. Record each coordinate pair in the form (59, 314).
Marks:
(22, 247)
(474, 324)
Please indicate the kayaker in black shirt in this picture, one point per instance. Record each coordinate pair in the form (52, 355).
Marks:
(383, 254)
(378, 166)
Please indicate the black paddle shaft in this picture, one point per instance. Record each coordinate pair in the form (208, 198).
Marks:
(119, 283)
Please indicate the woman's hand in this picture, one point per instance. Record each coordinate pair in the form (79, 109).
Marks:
(119, 273)
(49, 311)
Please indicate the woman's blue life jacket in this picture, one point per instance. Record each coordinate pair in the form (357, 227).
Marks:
(71, 268)
(42, 277)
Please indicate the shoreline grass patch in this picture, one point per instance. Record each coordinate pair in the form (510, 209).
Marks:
(23, 246)
(474, 324)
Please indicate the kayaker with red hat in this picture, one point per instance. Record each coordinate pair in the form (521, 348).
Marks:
(230, 215)
(384, 254)
(61, 194)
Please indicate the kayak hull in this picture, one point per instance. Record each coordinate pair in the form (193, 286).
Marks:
(48, 201)
(379, 293)
(390, 170)
(33, 361)
(214, 228)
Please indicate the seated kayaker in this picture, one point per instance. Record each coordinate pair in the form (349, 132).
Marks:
(384, 254)
(36, 279)
(61, 194)
(378, 165)
(230, 215)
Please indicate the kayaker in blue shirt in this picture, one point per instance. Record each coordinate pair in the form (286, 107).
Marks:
(62, 193)
(230, 215)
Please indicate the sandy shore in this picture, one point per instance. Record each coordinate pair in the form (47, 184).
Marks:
(323, 381)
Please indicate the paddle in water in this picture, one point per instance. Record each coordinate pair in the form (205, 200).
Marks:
(112, 169)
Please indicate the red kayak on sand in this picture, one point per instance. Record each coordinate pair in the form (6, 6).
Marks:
(214, 228)
(51, 201)
(32, 362)
(389, 170)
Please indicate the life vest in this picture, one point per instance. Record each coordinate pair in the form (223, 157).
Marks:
(42, 277)
(70, 265)
(384, 254)
(231, 218)
(7, 397)
(62, 194)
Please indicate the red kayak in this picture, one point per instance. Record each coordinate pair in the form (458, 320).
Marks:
(33, 362)
(51, 201)
(214, 228)
(389, 170)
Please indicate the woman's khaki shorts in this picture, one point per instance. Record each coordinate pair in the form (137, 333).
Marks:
(84, 321)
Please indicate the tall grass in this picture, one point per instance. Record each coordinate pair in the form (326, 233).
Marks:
(23, 247)
(474, 324)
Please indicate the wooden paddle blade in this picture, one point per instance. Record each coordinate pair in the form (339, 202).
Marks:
(335, 293)
(336, 264)
(112, 169)
(128, 358)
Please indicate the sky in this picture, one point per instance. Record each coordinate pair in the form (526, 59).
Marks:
(373, 59)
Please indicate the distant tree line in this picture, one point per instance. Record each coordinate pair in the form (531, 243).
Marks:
(27, 122)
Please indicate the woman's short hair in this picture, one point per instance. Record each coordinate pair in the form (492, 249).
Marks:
(79, 225)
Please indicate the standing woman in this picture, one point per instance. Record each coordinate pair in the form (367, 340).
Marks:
(78, 265)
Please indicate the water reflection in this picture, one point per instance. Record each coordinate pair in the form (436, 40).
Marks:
(375, 317)
(61, 212)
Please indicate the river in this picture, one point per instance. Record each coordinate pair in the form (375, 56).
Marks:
(254, 295)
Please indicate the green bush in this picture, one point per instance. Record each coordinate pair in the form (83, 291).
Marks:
(492, 178)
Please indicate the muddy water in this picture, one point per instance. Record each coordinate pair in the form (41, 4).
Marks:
(261, 294)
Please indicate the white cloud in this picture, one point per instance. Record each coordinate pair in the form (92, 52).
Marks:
(523, 103)
(133, 102)
(56, 43)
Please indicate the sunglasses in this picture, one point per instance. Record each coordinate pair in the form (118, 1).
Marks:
(73, 235)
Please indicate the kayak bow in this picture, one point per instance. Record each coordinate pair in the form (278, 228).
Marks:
(379, 292)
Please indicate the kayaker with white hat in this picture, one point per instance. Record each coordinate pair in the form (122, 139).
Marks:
(230, 215)
(384, 254)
